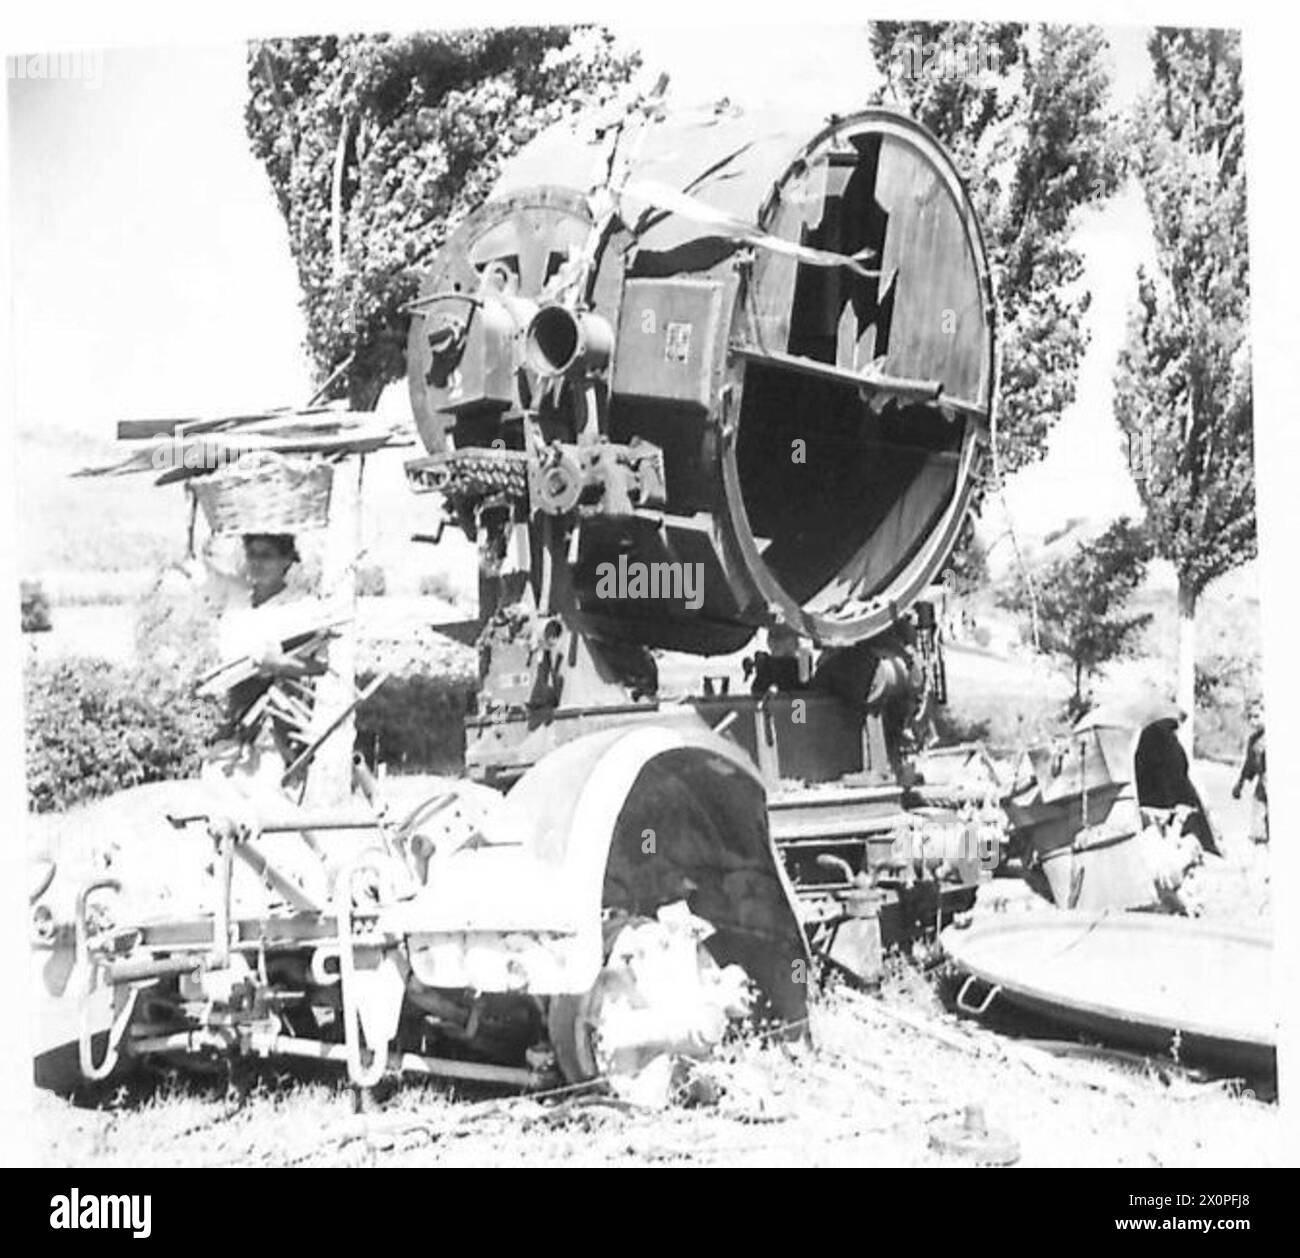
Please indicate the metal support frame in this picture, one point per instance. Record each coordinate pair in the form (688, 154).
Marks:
(92, 1070)
(278, 1045)
(365, 1076)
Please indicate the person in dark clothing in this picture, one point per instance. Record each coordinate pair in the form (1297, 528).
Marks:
(1253, 769)
(1163, 780)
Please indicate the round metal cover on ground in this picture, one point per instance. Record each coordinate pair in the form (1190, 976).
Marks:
(970, 1137)
(1137, 977)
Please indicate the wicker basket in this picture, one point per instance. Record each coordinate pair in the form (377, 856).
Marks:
(264, 492)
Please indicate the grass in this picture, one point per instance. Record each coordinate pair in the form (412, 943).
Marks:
(1008, 705)
(868, 1090)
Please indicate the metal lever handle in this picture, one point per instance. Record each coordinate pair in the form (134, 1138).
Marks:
(976, 1010)
(91, 1069)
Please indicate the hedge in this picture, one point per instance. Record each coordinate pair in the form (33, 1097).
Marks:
(94, 727)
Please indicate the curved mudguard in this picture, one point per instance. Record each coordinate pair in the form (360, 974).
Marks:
(630, 819)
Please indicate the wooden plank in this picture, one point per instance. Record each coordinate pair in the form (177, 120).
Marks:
(342, 720)
(316, 417)
(144, 429)
(299, 643)
(192, 452)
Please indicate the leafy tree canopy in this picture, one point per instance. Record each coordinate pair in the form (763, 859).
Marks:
(1183, 383)
(376, 146)
(1034, 140)
(1081, 600)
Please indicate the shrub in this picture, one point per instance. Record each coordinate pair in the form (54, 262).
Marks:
(1226, 685)
(94, 727)
(1082, 599)
(36, 608)
(1221, 677)
(438, 585)
(304, 579)
(414, 724)
(174, 627)
(371, 582)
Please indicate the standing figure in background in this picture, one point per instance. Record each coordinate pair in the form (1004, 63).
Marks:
(1162, 775)
(1253, 769)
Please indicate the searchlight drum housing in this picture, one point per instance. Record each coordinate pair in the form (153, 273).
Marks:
(802, 328)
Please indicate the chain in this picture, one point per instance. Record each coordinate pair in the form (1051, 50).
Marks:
(471, 475)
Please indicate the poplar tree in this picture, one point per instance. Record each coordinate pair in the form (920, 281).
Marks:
(1024, 112)
(1183, 383)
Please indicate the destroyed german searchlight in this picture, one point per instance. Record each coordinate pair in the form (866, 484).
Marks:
(752, 364)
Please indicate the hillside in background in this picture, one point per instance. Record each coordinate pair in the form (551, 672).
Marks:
(1002, 693)
(103, 538)
(70, 525)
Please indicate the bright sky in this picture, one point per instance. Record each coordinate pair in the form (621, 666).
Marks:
(152, 275)
(151, 268)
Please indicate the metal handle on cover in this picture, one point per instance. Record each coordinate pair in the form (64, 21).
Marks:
(976, 1010)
